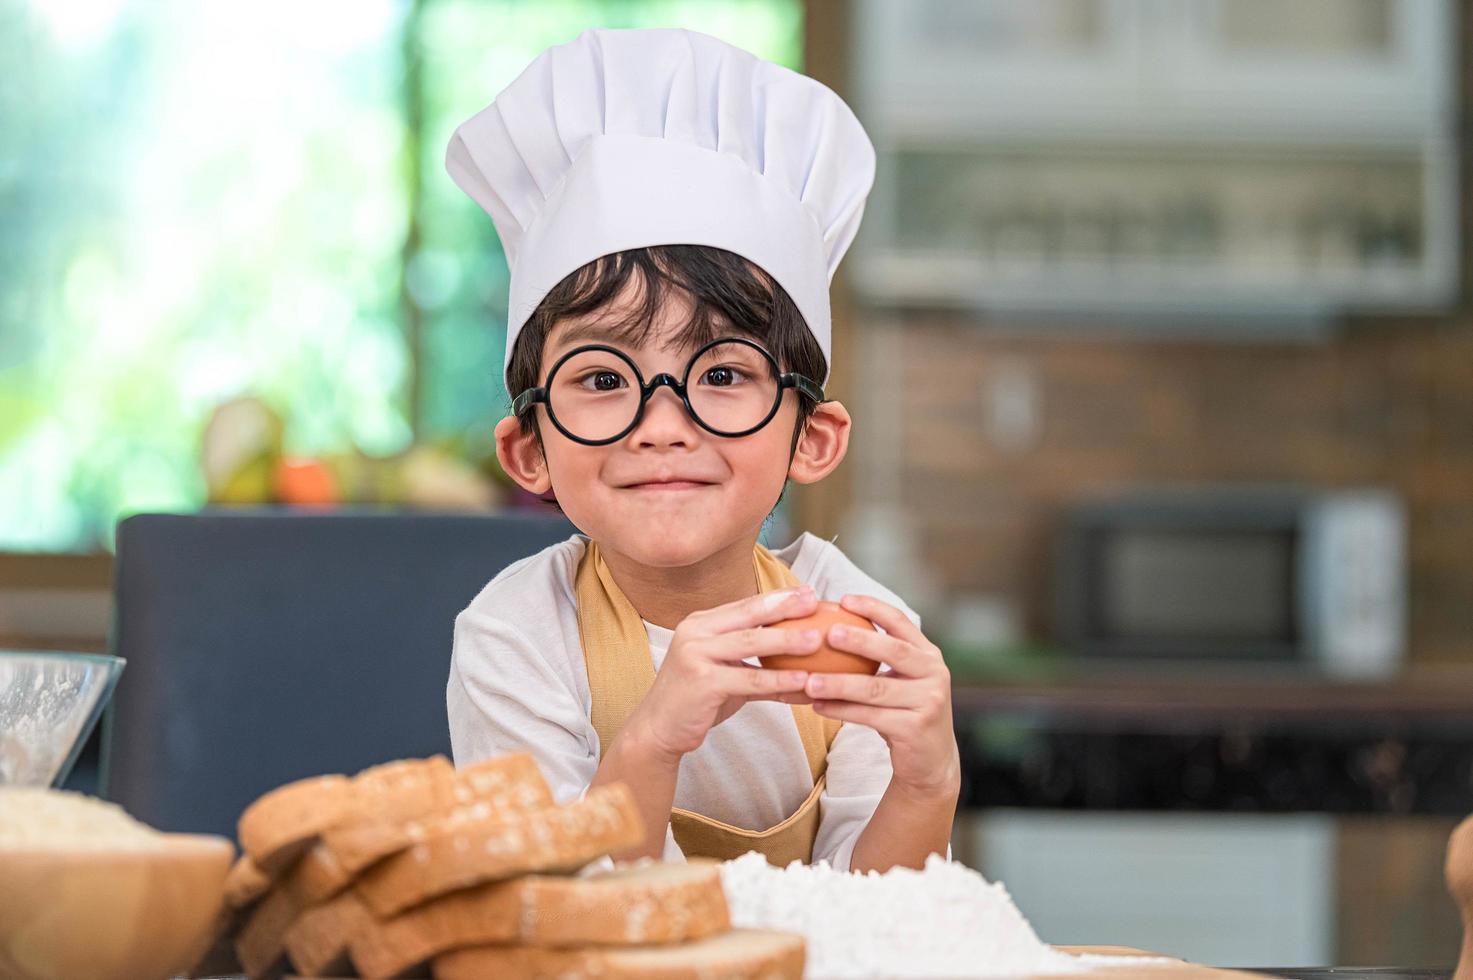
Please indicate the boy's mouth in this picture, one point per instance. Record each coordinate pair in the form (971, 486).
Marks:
(671, 482)
(669, 485)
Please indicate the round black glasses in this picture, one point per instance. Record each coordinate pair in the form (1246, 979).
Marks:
(595, 394)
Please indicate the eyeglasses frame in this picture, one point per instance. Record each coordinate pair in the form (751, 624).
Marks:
(799, 382)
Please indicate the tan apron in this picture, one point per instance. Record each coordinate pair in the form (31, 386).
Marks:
(616, 653)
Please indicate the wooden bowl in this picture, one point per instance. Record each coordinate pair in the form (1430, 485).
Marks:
(134, 914)
(824, 660)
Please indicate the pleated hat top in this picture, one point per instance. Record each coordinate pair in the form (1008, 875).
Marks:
(621, 139)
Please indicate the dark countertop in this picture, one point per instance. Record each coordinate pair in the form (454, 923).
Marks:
(1207, 693)
(1073, 735)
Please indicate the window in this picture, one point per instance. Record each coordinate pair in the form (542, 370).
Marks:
(200, 201)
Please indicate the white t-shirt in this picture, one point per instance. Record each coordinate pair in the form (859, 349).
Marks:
(518, 683)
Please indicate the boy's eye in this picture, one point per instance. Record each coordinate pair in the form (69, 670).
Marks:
(602, 380)
(723, 376)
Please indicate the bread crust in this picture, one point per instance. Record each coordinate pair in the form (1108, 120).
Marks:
(260, 943)
(245, 883)
(630, 906)
(472, 845)
(741, 954)
(278, 827)
(317, 941)
(383, 826)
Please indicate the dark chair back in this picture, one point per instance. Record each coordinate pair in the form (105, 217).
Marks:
(264, 646)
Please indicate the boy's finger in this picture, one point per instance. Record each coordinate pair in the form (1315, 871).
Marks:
(793, 698)
(887, 617)
(757, 610)
(905, 658)
(747, 683)
(881, 720)
(743, 644)
(885, 692)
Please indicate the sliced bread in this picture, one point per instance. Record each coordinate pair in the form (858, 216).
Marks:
(473, 844)
(261, 942)
(262, 930)
(245, 883)
(401, 779)
(645, 903)
(510, 782)
(281, 824)
(289, 869)
(316, 876)
(317, 941)
(739, 954)
(278, 827)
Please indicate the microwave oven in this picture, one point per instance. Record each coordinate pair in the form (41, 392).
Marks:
(1233, 574)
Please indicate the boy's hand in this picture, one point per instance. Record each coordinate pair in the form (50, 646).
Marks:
(909, 704)
(702, 681)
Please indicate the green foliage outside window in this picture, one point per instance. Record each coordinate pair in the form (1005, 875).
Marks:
(199, 201)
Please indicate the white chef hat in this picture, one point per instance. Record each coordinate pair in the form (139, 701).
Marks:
(626, 138)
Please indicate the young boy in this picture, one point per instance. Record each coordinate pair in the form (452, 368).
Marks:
(673, 209)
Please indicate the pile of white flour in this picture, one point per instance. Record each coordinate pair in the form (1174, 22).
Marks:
(945, 921)
(32, 818)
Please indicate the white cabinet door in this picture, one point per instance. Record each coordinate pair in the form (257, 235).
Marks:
(1380, 68)
(1248, 168)
(937, 69)
(1219, 889)
(968, 70)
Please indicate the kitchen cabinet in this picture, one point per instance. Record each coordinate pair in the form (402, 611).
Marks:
(1247, 890)
(1225, 889)
(1239, 168)
(1359, 68)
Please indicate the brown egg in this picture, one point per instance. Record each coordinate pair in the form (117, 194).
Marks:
(824, 660)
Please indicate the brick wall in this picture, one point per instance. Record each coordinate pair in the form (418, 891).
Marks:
(1389, 404)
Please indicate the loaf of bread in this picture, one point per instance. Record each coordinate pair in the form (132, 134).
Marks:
(739, 954)
(379, 812)
(413, 865)
(280, 833)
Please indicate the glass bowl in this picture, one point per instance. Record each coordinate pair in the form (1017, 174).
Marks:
(49, 702)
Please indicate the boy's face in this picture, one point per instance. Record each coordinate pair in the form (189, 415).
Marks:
(605, 490)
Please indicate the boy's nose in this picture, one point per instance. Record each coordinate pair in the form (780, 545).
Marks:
(665, 420)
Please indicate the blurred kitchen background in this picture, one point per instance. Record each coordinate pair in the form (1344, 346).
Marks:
(1155, 335)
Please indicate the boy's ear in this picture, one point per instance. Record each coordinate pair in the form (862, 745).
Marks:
(521, 456)
(822, 446)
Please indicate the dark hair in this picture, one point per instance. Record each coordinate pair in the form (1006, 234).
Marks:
(730, 295)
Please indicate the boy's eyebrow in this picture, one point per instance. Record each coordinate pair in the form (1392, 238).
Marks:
(583, 331)
(595, 332)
